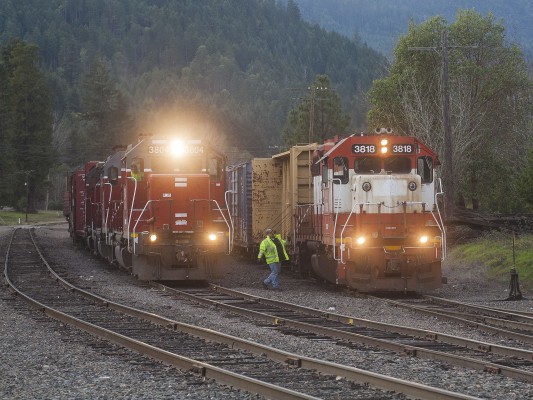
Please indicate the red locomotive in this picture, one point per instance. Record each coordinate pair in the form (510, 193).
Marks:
(375, 223)
(362, 211)
(156, 208)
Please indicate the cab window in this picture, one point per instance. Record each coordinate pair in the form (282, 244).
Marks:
(398, 165)
(325, 172)
(425, 169)
(112, 174)
(340, 170)
(215, 168)
(367, 165)
(137, 168)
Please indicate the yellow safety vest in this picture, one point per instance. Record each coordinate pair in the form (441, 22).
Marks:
(268, 248)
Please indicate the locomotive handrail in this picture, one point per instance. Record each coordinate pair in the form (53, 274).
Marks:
(346, 224)
(131, 211)
(342, 232)
(439, 221)
(226, 221)
(232, 229)
(221, 213)
(335, 210)
(441, 227)
(109, 206)
(410, 203)
(299, 221)
(140, 215)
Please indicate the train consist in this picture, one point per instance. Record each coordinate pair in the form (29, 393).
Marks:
(361, 211)
(156, 208)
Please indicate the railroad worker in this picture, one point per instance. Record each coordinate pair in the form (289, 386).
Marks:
(269, 250)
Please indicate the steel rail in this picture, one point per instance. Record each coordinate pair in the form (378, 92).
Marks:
(411, 350)
(510, 316)
(421, 333)
(408, 388)
(492, 321)
(471, 324)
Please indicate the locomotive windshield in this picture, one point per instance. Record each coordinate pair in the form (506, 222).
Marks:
(373, 165)
(185, 165)
(211, 165)
(367, 165)
(397, 165)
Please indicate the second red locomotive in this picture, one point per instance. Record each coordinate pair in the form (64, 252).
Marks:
(156, 208)
(375, 222)
(361, 211)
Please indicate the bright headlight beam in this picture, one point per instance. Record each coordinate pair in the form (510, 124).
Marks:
(212, 237)
(361, 240)
(177, 147)
(423, 239)
(153, 237)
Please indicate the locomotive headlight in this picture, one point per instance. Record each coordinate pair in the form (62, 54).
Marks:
(367, 186)
(212, 237)
(423, 239)
(177, 148)
(384, 142)
(384, 150)
(360, 240)
(412, 186)
(153, 237)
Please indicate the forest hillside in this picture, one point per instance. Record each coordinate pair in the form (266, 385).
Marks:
(229, 70)
(380, 23)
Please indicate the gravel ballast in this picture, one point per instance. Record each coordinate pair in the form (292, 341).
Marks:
(40, 360)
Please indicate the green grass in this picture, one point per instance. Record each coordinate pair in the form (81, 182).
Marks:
(11, 218)
(495, 251)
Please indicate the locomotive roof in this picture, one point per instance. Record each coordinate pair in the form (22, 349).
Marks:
(340, 142)
(326, 155)
(140, 148)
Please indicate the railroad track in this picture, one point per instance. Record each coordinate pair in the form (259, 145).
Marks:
(228, 360)
(350, 331)
(513, 325)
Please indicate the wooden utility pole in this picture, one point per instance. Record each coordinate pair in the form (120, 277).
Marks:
(447, 125)
(311, 116)
(449, 192)
(311, 133)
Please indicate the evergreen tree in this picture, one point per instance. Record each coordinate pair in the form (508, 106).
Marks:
(7, 168)
(104, 114)
(28, 123)
(525, 182)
